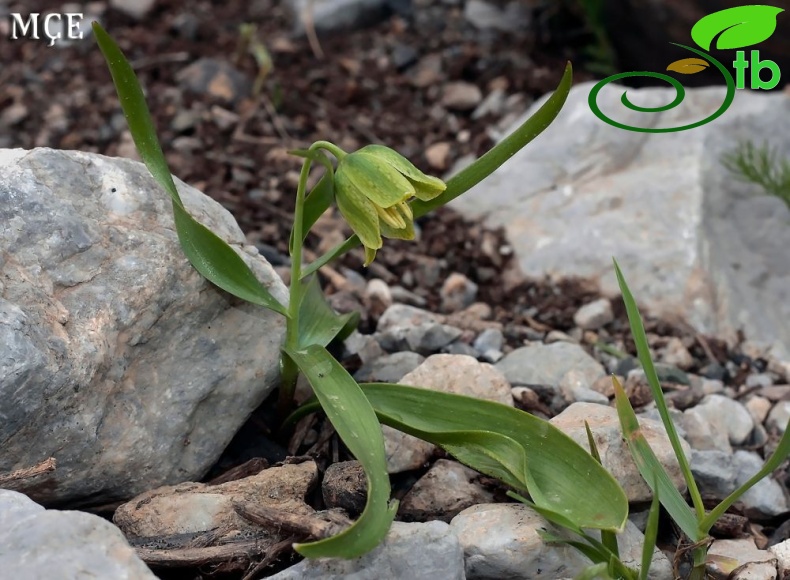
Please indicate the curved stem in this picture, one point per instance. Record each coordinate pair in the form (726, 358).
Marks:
(331, 147)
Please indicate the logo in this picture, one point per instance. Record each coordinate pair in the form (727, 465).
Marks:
(53, 26)
(733, 28)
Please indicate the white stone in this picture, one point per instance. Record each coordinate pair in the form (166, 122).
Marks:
(542, 364)
(692, 241)
(503, 541)
(726, 417)
(38, 543)
(779, 416)
(411, 550)
(135, 8)
(594, 315)
(742, 552)
(759, 407)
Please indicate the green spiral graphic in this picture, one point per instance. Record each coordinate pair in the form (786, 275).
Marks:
(680, 95)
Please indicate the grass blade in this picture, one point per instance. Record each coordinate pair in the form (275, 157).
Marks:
(651, 469)
(608, 538)
(651, 534)
(208, 253)
(643, 353)
(355, 422)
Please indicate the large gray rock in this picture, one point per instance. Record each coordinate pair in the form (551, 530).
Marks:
(116, 357)
(38, 543)
(693, 242)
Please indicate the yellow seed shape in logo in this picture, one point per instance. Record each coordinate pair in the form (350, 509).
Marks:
(688, 66)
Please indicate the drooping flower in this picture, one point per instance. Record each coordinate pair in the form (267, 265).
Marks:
(373, 187)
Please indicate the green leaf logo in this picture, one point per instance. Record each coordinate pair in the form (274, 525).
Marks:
(736, 27)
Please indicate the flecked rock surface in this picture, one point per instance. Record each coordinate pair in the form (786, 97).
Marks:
(68, 545)
(410, 550)
(693, 242)
(116, 357)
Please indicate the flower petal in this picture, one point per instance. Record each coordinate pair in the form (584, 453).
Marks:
(426, 186)
(380, 182)
(358, 211)
(370, 255)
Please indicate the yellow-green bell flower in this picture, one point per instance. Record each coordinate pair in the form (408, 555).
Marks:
(373, 186)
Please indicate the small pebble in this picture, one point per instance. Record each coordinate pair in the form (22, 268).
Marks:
(778, 417)
(759, 407)
(461, 96)
(457, 292)
(438, 155)
(379, 297)
(594, 315)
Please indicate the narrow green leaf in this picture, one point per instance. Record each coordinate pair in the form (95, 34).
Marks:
(608, 538)
(643, 353)
(478, 170)
(561, 476)
(651, 534)
(318, 323)
(778, 457)
(739, 27)
(208, 253)
(651, 469)
(355, 422)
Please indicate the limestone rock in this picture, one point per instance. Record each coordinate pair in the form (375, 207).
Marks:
(116, 357)
(39, 543)
(693, 242)
(410, 550)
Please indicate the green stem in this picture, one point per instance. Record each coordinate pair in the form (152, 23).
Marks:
(331, 147)
(698, 571)
(289, 370)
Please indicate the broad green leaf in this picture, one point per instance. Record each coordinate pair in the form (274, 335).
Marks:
(651, 469)
(318, 323)
(651, 534)
(355, 422)
(778, 457)
(688, 66)
(208, 253)
(643, 353)
(481, 168)
(561, 476)
(736, 27)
